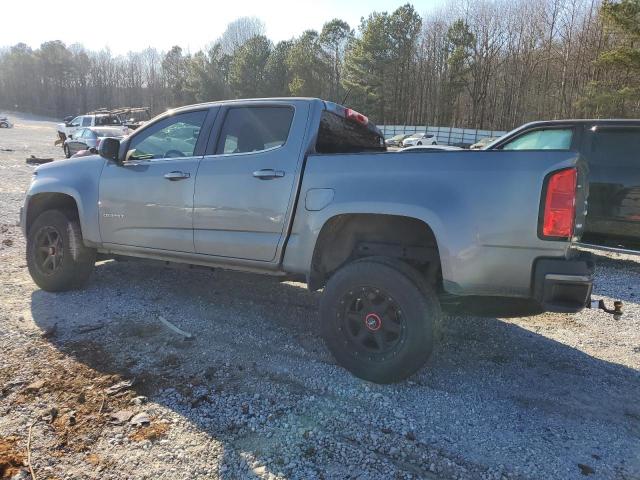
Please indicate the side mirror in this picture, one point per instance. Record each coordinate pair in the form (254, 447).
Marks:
(110, 149)
(70, 136)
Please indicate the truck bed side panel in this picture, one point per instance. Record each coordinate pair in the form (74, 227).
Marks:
(483, 207)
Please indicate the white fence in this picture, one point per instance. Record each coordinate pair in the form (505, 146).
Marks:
(444, 135)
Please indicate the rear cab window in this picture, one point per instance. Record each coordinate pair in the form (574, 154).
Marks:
(339, 134)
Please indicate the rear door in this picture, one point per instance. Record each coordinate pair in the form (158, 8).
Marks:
(148, 201)
(614, 184)
(246, 183)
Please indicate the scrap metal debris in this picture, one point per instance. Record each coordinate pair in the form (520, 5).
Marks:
(118, 387)
(177, 330)
(36, 160)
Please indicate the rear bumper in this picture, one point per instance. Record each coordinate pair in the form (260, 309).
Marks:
(564, 285)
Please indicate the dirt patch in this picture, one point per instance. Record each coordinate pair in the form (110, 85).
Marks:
(76, 397)
(12, 459)
(152, 432)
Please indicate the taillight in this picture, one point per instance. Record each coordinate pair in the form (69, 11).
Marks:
(560, 204)
(356, 116)
(98, 142)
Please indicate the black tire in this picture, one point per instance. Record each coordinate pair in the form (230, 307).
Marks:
(67, 151)
(384, 297)
(418, 279)
(4, 125)
(57, 258)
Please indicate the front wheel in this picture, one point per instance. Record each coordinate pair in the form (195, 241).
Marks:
(67, 151)
(56, 256)
(377, 322)
(4, 125)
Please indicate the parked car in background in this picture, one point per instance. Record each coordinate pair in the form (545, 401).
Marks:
(420, 139)
(131, 117)
(94, 120)
(396, 140)
(483, 142)
(612, 151)
(305, 189)
(431, 148)
(5, 123)
(89, 138)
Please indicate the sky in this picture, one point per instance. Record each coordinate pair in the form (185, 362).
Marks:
(134, 25)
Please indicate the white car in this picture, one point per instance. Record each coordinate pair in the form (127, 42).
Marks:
(5, 123)
(420, 139)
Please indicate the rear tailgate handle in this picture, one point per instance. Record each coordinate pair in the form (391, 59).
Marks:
(176, 175)
(268, 174)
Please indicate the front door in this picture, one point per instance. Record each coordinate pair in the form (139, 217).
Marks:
(148, 201)
(246, 186)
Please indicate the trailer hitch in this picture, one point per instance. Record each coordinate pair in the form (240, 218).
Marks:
(616, 311)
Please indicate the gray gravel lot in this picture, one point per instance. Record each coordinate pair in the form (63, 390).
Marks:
(255, 394)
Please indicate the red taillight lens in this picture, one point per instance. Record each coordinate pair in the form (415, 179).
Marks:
(356, 116)
(560, 204)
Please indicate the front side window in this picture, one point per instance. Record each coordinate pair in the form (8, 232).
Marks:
(254, 129)
(75, 122)
(616, 147)
(172, 137)
(86, 121)
(549, 139)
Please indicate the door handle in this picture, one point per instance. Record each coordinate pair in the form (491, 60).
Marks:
(268, 174)
(176, 175)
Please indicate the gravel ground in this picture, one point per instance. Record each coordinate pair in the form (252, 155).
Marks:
(255, 394)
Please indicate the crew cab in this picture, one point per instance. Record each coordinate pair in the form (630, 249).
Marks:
(611, 150)
(304, 189)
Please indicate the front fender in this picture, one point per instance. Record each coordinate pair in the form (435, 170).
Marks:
(79, 179)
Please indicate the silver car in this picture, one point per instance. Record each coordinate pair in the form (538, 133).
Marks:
(88, 138)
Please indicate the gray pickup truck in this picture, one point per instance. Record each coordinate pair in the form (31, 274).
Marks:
(305, 189)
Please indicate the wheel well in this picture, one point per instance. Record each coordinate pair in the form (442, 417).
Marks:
(346, 237)
(50, 201)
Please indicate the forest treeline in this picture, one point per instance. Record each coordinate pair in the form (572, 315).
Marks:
(490, 64)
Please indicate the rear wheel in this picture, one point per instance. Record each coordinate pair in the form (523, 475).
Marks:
(56, 256)
(377, 322)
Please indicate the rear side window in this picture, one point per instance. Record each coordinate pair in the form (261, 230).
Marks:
(616, 146)
(340, 135)
(254, 129)
(542, 139)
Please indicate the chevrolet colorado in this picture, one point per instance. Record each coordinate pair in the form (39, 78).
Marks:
(303, 188)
